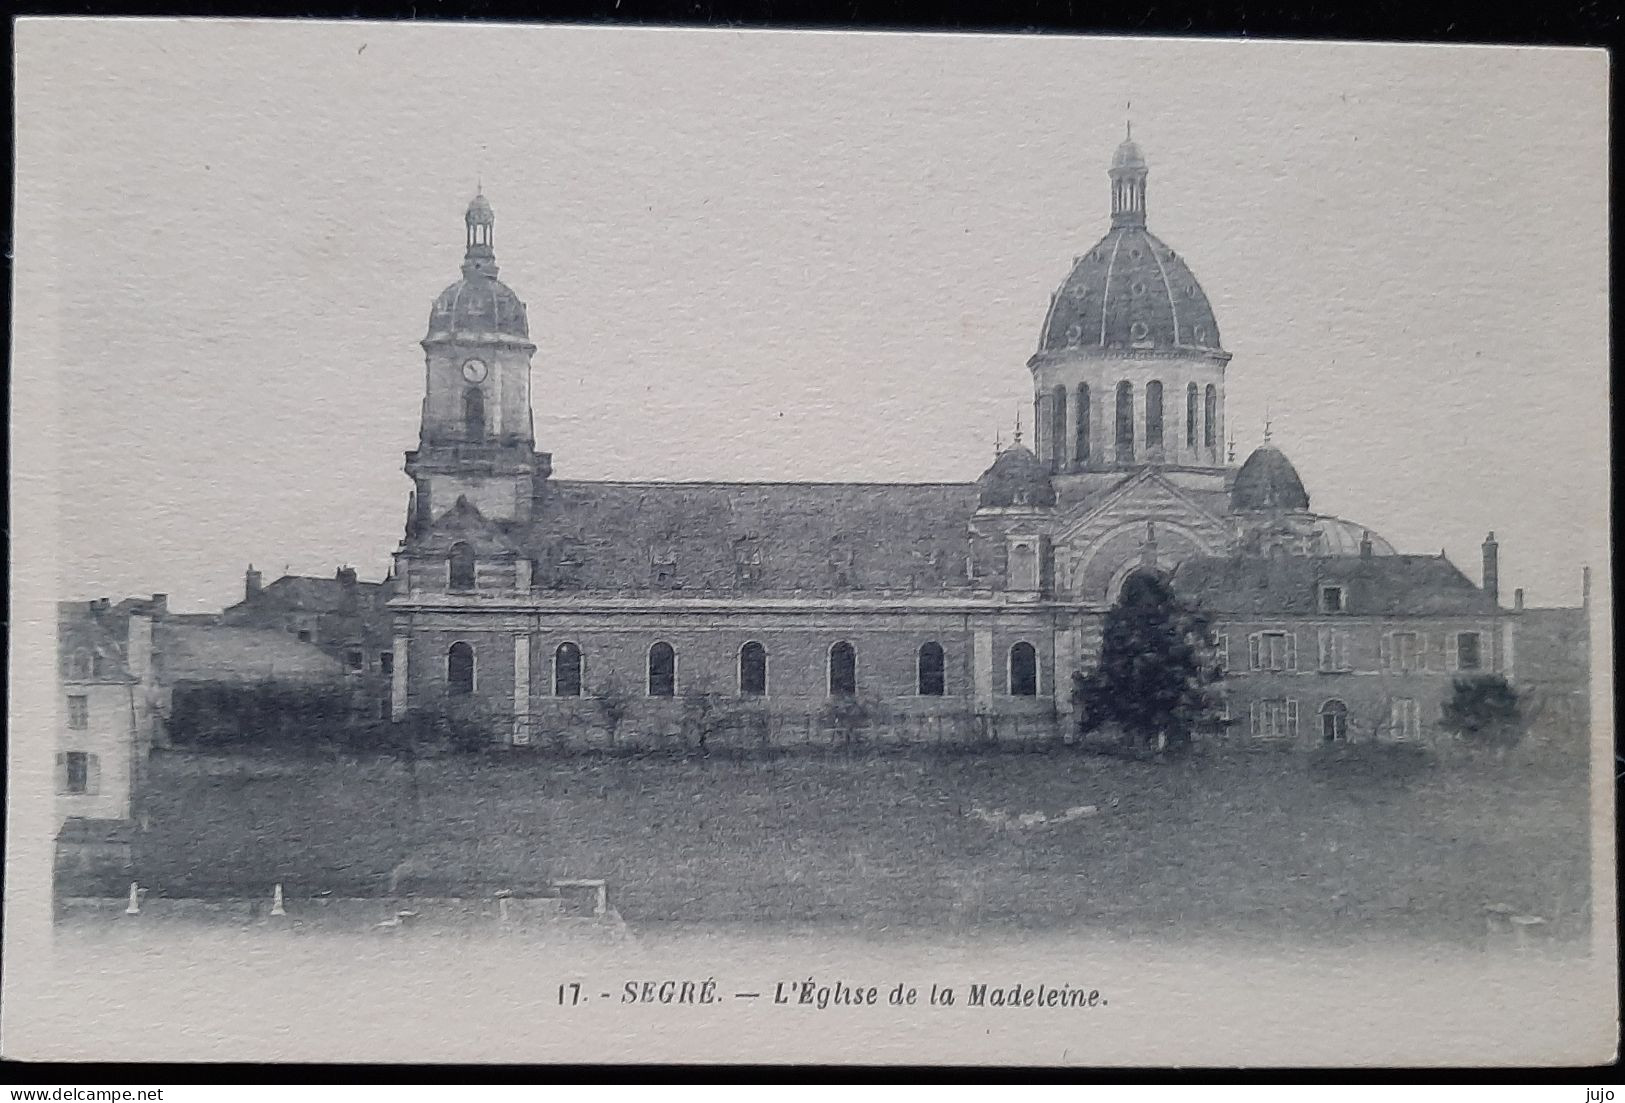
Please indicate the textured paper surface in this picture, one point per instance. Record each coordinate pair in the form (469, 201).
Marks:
(778, 255)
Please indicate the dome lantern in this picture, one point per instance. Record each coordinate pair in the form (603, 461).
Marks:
(1128, 173)
(481, 255)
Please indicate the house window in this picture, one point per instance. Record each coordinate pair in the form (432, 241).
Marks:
(78, 773)
(386, 662)
(1406, 651)
(1272, 651)
(460, 567)
(843, 670)
(1334, 650)
(930, 680)
(81, 665)
(1210, 420)
(1023, 670)
(1192, 404)
(1404, 718)
(304, 635)
(1221, 651)
(1332, 600)
(78, 712)
(1080, 451)
(753, 670)
(662, 670)
(1469, 651)
(1125, 421)
(1334, 721)
(354, 660)
(1153, 414)
(460, 669)
(1275, 719)
(567, 671)
(1023, 567)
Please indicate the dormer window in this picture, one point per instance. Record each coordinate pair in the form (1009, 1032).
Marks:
(1333, 599)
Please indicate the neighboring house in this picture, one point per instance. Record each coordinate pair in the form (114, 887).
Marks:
(526, 593)
(107, 709)
(346, 618)
(1346, 648)
(1554, 649)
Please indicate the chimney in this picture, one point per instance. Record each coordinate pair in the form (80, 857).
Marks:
(1365, 545)
(159, 606)
(251, 583)
(1492, 568)
(346, 576)
(1585, 587)
(1517, 599)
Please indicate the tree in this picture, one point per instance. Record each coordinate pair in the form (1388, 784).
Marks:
(1158, 668)
(614, 703)
(705, 713)
(1486, 710)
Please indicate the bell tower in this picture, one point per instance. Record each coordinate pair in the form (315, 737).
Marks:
(476, 438)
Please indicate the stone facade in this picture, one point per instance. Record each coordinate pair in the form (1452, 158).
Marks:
(532, 595)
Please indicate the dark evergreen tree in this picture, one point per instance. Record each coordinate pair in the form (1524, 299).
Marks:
(1484, 709)
(1157, 670)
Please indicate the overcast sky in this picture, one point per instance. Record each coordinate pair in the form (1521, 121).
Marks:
(793, 256)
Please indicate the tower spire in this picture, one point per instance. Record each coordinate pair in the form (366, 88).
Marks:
(1128, 173)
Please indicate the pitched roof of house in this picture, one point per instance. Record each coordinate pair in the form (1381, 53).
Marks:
(317, 594)
(89, 629)
(191, 652)
(712, 537)
(1391, 585)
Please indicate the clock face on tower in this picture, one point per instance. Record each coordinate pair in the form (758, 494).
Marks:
(474, 371)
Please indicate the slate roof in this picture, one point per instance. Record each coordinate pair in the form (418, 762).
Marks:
(190, 652)
(1377, 585)
(1016, 478)
(750, 537)
(81, 630)
(316, 595)
(1130, 291)
(1267, 481)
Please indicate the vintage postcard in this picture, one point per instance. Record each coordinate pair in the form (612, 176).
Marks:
(627, 545)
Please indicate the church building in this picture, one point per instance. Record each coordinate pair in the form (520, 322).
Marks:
(946, 602)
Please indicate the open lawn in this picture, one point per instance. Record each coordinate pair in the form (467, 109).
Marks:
(1255, 842)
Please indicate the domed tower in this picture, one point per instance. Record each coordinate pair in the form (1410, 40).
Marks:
(476, 439)
(1129, 370)
(1010, 530)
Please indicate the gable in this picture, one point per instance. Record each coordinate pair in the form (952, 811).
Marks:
(1145, 517)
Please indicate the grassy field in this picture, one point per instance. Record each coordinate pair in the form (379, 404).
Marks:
(1257, 842)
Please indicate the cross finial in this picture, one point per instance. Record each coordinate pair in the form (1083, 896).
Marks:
(1266, 423)
(1018, 428)
(998, 442)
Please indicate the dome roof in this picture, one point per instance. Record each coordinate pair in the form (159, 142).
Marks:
(1016, 478)
(1130, 291)
(1268, 481)
(1340, 537)
(478, 305)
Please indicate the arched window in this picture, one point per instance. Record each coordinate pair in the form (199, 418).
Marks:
(843, 670)
(1023, 670)
(1192, 401)
(1334, 721)
(460, 567)
(1125, 421)
(1057, 434)
(474, 413)
(460, 669)
(662, 670)
(1210, 428)
(81, 665)
(1153, 414)
(753, 670)
(567, 671)
(1080, 452)
(931, 675)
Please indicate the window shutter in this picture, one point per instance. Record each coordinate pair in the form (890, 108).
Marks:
(61, 772)
(1252, 654)
(1292, 650)
(1292, 717)
(1325, 649)
(93, 773)
(1452, 654)
(1252, 715)
(1421, 651)
(1385, 649)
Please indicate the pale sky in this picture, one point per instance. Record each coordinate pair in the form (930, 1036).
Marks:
(774, 255)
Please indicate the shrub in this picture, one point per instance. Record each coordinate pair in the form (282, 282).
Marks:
(268, 714)
(1485, 710)
(850, 717)
(1369, 762)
